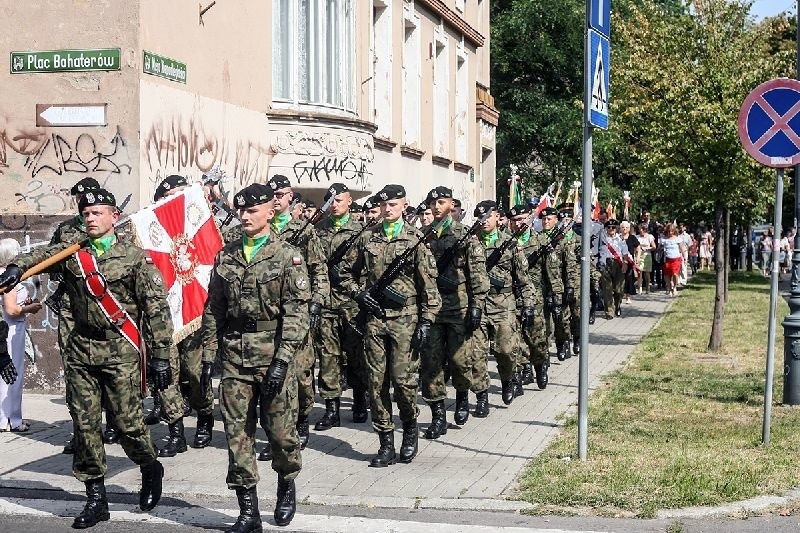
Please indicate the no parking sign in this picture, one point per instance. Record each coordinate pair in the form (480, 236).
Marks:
(769, 123)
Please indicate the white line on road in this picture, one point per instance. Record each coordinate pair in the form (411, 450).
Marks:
(204, 517)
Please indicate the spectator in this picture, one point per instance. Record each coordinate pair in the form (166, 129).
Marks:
(687, 241)
(694, 250)
(766, 252)
(673, 256)
(16, 305)
(706, 248)
(785, 253)
(632, 273)
(647, 244)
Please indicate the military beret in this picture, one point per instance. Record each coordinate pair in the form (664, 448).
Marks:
(566, 206)
(355, 206)
(611, 222)
(410, 211)
(438, 192)
(456, 202)
(279, 181)
(335, 190)
(421, 208)
(310, 203)
(252, 195)
(297, 198)
(169, 183)
(501, 210)
(391, 192)
(519, 209)
(484, 207)
(85, 185)
(371, 203)
(97, 197)
(547, 211)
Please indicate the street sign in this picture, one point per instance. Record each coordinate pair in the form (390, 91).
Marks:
(163, 67)
(769, 123)
(71, 115)
(600, 16)
(598, 80)
(65, 61)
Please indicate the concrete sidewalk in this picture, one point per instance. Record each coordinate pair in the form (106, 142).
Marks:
(472, 467)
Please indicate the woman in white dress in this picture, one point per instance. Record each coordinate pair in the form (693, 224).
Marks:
(16, 306)
(706, 249)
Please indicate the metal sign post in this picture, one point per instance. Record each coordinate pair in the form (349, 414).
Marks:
(773, 300)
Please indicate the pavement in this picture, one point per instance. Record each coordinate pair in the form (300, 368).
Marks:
(473, 467)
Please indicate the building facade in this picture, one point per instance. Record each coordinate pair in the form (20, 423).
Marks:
(366, 92)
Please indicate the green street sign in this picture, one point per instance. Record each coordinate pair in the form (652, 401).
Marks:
(65, 61)
(164, 67)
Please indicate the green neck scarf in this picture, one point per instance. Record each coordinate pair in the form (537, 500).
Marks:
(340, 220)
(102, 244)
(490, 238)
(443, 225)
(523, 239)
(251, 245)
(392, 229)
(280, 221)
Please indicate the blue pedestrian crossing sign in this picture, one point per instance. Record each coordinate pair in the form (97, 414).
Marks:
(769, 123)
(600, 16)
(598, 81)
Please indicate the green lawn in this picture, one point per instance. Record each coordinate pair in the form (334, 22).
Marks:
(680, 426)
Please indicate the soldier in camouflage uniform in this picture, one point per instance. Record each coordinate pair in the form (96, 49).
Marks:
(534, 333)
(571, 274)
(410, 303)
(303, 236)
(257, 310)
(338, 340)
(508, 278)
(98, 358)
(463, 285)
(555, 292)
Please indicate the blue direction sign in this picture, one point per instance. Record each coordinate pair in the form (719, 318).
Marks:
(598, 82)
(600, 16)
(769, 123)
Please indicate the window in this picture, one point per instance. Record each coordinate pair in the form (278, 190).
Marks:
(411, 79)
(382, 65)
(441, 91)
(313, 55)
(462, 101)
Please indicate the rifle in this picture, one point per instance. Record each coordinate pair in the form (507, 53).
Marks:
(295, 238)
(450, 253)
(560, 232)
(338, 254)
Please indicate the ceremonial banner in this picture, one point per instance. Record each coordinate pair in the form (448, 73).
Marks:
(180, 236)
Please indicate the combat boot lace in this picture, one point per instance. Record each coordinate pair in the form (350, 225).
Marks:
(286, 504)
(408, 450)
(360, 403)
(249, 520)
(386, 454)
(302, 431)
(96, 508)
(331, 417)
(205, 427)
(461, 414)
(176, 442)
(152, 477)
(438, 425)
(482, 404)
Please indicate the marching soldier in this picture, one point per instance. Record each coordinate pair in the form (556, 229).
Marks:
(189, 369)
(257, 311)
(463, 284)
(534, 333)
(110, 288)
(286, 226)
(571, 272)
(555, 293)
(337, 338)
(613, 264)
(410, 303)
(507, 273)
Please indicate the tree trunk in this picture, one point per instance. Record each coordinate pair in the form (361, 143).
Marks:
(727, 253)
(715, 342)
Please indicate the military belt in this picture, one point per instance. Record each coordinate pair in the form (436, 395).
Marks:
(251, 325)
(97, 334)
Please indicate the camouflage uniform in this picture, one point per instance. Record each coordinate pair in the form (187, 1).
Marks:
(571, 269)
(389, 357)
(311, 249)
(462, 284)
(257, 311)
(553, 282)
(535, 335)
(337, 338)
(98, 359)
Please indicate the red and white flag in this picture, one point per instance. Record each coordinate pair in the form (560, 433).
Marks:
(180, 236)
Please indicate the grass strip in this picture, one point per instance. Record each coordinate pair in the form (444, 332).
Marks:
(679, 426)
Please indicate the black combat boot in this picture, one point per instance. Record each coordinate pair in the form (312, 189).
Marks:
(561, 350)
(360, 402)
(152, 475)
(331, 417)
(187, 407)
(541, 375)
(408, 449)
(461, 415)
(618, 308)
(69, 448)
(111, 434)
(438, 425)
(155, 414)
(205, 427)
(591, 316)
(302, 430)
(576, 346)
(507, 391)
(266, 453)
(527, 374)
(482, 404)
(287, 501)
(96, 508)
(386, 454)
(518, 390)
(176, 442)
(249, 520)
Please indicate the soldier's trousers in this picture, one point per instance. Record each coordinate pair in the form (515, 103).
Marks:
(449, 339)
(338, 339)
(171, 397)
(535, 337)
(121, 383)
(572, 313)
(304, 364)
(560, 326)
(190, 351)
(613, 285)
(390, 360)
(506, 341)
(242, 404)
(480, 346)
